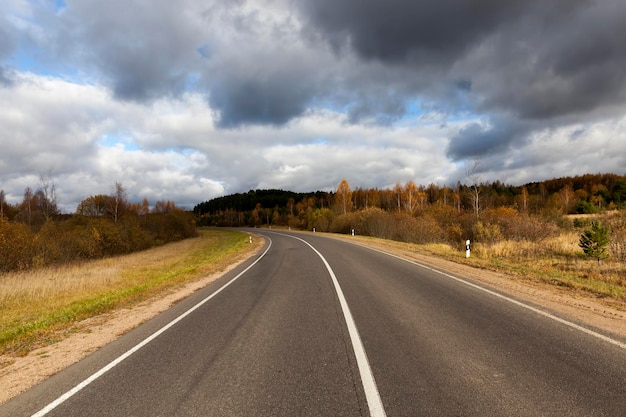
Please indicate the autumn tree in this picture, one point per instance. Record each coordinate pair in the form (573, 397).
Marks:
(94, 206)
(410, 196)
(456, 196)
(25, 209)
(39, 206)
(343, 196)
(372, 198)
(567, 197)
(523, 200)
(164, 207)
(276, 216)
(290, 205)
(445, 193)
(2, 202)
(145, 209)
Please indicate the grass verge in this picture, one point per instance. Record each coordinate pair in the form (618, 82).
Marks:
(552, 270)
(39, 307)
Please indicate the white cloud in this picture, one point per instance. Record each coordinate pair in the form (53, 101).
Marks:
(190, 100)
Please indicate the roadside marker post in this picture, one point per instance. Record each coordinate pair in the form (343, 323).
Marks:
(467, 248)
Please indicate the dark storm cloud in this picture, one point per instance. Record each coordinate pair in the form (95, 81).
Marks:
(250, 74)
(544, 59)
(267, 94)
(256, 102)
(394, 30)
(475, 139)
(142, 51)
(547, 67)
(525, 60)
(257, 64)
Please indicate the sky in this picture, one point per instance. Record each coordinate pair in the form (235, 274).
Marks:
(190, 100)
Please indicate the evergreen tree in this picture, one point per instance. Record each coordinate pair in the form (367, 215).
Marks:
(595, 240)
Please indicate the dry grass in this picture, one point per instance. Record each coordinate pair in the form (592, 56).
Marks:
(555, 261)
(39, 305)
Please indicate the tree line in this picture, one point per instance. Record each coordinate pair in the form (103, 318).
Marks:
(34, 232)
(479, 211)
(586, 194)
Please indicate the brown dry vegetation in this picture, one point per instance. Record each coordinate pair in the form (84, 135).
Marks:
(539, 248)
(79, 237)
(39, 306)
(523, 230)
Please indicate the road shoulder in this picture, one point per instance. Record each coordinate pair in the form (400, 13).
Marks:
(605, 315)
(18, 374)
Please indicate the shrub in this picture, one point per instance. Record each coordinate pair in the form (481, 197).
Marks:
(16, 242)
(81, 237)
(399, 226)
(487, 233)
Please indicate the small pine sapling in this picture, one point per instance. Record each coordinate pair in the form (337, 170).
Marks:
(595, 240)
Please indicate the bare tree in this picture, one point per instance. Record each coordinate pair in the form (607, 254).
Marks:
(118, 201)
(46, 192)
(474, 178)
(26, 207)
(397, 192)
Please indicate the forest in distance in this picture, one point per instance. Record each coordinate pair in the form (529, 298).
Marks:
(494, 216)
(541, 220)
(586, 194)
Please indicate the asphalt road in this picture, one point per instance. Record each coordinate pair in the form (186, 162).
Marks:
(322, 327)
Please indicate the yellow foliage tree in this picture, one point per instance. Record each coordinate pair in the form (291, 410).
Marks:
(343, 197)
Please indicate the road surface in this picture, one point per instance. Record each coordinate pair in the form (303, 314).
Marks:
(315, 326)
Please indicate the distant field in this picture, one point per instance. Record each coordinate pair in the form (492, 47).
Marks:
(39, 306)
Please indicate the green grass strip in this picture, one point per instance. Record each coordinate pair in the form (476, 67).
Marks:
(214, 247)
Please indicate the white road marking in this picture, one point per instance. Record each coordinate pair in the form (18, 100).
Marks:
(509, 299)
(149, 339)
(372, 395)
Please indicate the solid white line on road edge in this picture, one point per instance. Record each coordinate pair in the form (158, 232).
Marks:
(372, 395)
(509, 299)
(154, 335)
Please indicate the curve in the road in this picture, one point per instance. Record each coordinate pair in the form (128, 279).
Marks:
(47, 409)
(372, 395)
